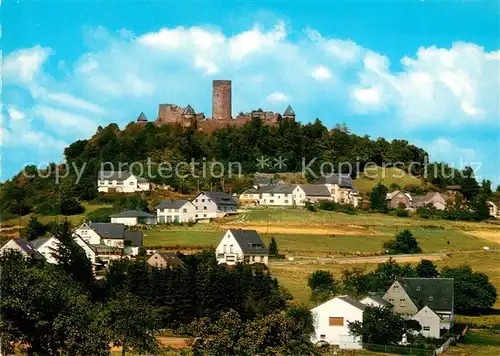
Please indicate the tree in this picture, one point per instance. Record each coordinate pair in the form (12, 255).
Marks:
(426, 269)
(132, 323)
(70, 206)
(34, 229)
(380, 326)
(473, 290)
(273, 247)
(54, 317)
(378, 196)
(481, 207)
(71, 257)
(322, 285)
(404, 242)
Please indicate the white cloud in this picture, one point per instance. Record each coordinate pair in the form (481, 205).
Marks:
(14, 113)
(181, 37)
(209, 66)
(321, 73)
(64, 122)
(69, 100)
(22, 66)
(346, 51)
(453, 86)
(445, 150)
(255, 40)
(367, 96)
(277, 96)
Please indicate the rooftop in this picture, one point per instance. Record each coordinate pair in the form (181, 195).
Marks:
(249, 241)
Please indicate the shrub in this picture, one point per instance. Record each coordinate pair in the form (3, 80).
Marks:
(402, 213)
(312, 208)
(101, 215)
(404, 242)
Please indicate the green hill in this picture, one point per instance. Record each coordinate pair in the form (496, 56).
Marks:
(390, 177)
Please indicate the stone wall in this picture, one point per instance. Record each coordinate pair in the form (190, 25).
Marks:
(169, 114)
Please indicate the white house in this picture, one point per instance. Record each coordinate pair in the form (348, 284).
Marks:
(210, 205)
(46, 246)
(121, 182)
(341, 188)
(171, 211)
(493, 209)
(109, 240)
(22, 246)
(243, 246)
(331, 322)
(312, 193)
(278, 195)
(411, 297)
(133, 217)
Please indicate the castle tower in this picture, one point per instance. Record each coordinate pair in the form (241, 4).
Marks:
(189, 112)
(221, 100)
(289, 113)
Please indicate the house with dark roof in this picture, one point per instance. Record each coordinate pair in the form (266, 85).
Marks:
(331, 322)
(210, 205)
(243, 246)
(312, 193)
(175, 211)
(24, 247)
(121, 182)
(277, 195)
(164, 259)
(108, 240)
(133, 217)
(341, 188)
(430, 301)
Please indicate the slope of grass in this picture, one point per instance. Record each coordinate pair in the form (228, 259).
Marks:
(387, 176)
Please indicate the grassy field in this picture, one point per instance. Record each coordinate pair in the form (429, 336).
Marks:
(388, 176)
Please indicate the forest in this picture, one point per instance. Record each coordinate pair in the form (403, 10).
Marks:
(60, 188)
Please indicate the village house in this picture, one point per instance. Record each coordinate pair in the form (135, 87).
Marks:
(164, 259)
(278, 195)
(260, 181)
(107, 241)
(376, 299)
(21, 245)
(433, 199)
(46, 246)
(250, 197)
(341, 188)
(121, 182)
(427, 300)
(243, 246)
(312, 193)
(493, 209)
(331, 322)
(175, 211)
(399, 199)
(211, 205)
(133, 217)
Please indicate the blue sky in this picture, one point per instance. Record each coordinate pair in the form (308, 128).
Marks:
(426, 71)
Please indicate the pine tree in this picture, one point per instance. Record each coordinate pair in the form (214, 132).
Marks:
(34, 229)
(273, 247)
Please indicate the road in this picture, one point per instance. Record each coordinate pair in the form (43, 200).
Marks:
(365, 258)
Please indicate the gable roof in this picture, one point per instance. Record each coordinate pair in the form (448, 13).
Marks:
(133, 214)
(249, 241)
(108, 230)
(220, 198)
(289, 111)
(352, 301)
(277, 189)
(169, 257)
(436, 293)
(36, 244)
(26, 247)
(378, 297)
(257, 180)
(315, 190)
(189, 110)
(172, 204)
(142, 117)
(113, 175)
(342, 180)
(135, 237)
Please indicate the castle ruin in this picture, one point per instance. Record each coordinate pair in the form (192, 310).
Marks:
(221, 112)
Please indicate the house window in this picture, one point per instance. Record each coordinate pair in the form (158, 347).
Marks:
(101, 182)
(286, 201)
(322, 336)
(427, 328)
(225, 248)
(336, 321)
(204, 215)
(131, 183)
(271, 201)
(431, 298)
(391, 301)
(402, 302)
(395, 288)
(184, 210)
(202, 200)
(204, 208)
(230, 248)
(418, 288)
